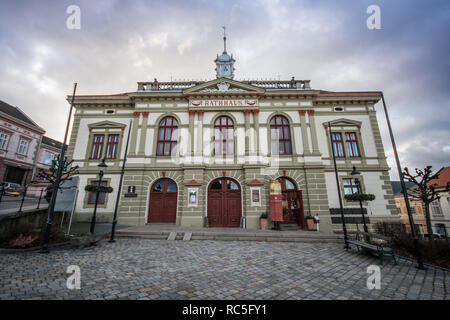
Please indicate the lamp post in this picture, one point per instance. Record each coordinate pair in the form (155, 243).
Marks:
(356, 175)
(100, 175)
(341, 207)
(405, 194)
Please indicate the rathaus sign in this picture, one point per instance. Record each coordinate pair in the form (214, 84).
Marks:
(224, 103)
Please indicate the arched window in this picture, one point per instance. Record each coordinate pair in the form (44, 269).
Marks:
(223, 136)
(280, 135)
(167, 137)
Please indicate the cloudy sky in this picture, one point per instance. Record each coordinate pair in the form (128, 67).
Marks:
(328, 42)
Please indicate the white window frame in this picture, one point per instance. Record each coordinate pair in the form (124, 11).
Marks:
(25, 152)
(436, 205)
(4, 139)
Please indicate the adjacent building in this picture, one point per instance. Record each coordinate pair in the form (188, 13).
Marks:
(20, 138)
(440, 208)
(24, 149)
(416, 205)
(202, 153)
(48, 151)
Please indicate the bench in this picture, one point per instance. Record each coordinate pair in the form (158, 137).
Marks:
(381, 245)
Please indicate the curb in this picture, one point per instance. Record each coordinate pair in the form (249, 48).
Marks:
(76, 242)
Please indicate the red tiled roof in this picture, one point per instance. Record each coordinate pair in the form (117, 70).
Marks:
(443, 179)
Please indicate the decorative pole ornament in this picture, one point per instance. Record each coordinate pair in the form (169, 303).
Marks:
(224, 40)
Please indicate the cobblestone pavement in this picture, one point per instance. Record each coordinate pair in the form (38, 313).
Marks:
(160, 269)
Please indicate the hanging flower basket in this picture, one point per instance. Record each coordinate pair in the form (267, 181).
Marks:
(95, 188)
(360, 197)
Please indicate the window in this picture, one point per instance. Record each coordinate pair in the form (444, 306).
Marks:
(101, 197)
(171, 187)
(441, 229)
(280, 135)
(223, 136)
(352, 144)
(436, 208)
(23, 147)
(419, 228)
(97, 146)
(111, 148)
(158, 187)
(231, 185)
(413, 210)
(338, 144)
(4, 138)
(48, 158)
(167, 137)
(217, 185)
(349, 186)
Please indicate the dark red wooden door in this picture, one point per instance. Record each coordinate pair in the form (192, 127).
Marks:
(224, 203)
(163, 202)
(292, 202)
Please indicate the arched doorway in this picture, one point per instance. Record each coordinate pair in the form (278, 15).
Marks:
(224, 203)
(163, 202)
(292, 202)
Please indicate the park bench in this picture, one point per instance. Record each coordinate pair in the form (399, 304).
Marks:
(381, 245)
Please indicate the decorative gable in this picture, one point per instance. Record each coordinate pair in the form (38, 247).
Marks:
(106, 125)
(224, 85)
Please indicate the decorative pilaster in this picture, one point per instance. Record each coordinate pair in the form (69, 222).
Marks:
(141, 151)
(247, 129)
(191, 133)
(312, 126)
(200, 133)
(256, 124)
(133, 138)
(305, 140)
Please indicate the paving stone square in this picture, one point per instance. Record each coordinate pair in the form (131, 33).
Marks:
(204, 270)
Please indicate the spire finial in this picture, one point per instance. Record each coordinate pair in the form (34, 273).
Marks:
(224, 39)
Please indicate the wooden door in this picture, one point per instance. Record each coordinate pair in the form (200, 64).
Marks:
(163, 202)
(224, 203)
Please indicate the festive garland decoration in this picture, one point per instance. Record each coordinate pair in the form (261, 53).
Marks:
(360, 197)
(95, 188)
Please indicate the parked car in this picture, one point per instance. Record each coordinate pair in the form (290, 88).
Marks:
(11, 189)
(435, 236)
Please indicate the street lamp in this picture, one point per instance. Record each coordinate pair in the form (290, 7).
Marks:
(100, 174)
(356, 176)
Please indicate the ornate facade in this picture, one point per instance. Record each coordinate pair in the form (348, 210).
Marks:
(202, 153)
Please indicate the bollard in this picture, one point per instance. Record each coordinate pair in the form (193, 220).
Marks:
(23, 198)
(40, 197)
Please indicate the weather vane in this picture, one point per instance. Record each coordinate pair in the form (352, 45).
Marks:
(224, 39)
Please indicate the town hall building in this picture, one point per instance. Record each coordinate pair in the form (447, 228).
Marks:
(203, 153)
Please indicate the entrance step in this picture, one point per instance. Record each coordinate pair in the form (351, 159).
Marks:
(227, 235)
(187, 236)
(289, 227)
(172, 236)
